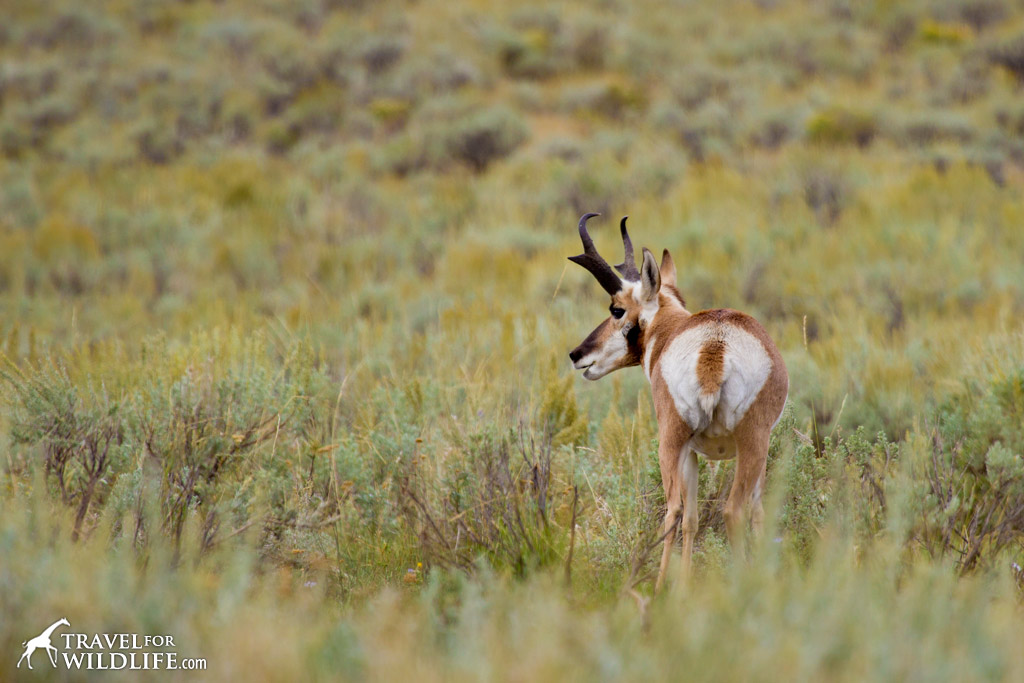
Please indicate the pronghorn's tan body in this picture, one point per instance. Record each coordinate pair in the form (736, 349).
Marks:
(718, 381)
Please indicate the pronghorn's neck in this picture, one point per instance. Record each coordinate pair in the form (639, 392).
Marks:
(662, 328)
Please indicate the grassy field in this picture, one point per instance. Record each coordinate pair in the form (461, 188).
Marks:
(285, 313)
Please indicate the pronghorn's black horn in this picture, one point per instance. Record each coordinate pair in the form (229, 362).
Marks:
(628, 266)
(593, 262)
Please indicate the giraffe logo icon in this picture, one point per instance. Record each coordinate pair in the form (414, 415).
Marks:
(42, 641)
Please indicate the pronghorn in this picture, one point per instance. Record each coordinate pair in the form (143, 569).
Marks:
(718, 381)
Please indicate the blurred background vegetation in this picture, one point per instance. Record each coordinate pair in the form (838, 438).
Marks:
(284, 316)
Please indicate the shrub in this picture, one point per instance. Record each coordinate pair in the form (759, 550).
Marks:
(993, 160)
(560, 420)
(444, 72)
(898, 29)
(285, 55)
(1011, 119)
(975, 473)
(590, 45)
(20, 205)
(485, 136)
(196, 432)
(927, 128)
(239, 115)
(492, 505)
(184, 438)
(27, 81)
(77, 28)
(826, 192)
(704, 133)
(452, 131)
(527, 54)
(699, 83)
(969, 82)
(599, 184)
(281, 136)
(236, 36)
(318, 110)
(774, 130)
(981, 14)
(1010, 56)
(533, 46)
(614, 100)
(841, 126)
(82, 438)
(944, 33)
(404, 154)
(16, 139)
(158, 143)
(564, 148)
(381, 53)
(391, 111)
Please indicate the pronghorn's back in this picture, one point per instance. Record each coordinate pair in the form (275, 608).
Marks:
(714, 365)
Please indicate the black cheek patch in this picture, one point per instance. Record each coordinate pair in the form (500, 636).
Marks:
(633, 336)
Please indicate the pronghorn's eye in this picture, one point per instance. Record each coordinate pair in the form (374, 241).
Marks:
(618, 312)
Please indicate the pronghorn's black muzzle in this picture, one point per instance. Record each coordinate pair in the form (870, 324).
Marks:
(592, 342)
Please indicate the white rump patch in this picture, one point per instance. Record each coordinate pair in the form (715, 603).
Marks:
(746, 369)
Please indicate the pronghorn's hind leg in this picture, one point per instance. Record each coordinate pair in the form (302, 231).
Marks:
(757, 506)
(688, 473)
(747, 486)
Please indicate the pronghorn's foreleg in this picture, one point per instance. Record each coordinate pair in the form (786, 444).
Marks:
(669, 458)
(673, 436)
(751, 460)
(688, 475)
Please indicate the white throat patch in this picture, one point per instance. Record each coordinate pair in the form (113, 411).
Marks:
(648, 352)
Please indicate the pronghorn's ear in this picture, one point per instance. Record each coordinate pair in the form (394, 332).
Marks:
(650, 277)
(668, 269)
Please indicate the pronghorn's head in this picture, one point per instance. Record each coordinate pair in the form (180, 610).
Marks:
(616, 342)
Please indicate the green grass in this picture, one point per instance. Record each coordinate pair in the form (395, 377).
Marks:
(284, 311)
